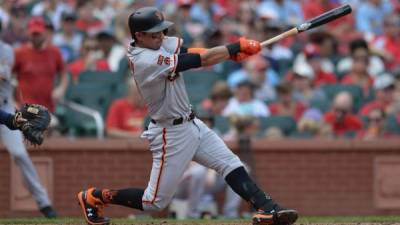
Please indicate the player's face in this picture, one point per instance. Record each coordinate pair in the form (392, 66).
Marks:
(150, 40)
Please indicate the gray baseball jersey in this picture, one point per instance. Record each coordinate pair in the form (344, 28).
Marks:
(173, 146)
(12, 139)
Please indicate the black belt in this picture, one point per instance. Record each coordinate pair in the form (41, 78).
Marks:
(178, 120)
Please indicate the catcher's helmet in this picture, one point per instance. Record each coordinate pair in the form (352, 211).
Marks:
(147, 19)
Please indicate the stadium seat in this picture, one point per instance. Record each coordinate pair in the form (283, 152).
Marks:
(97, 96)
(392, 125)
(355, 91)
(99, 77)
(285, 123)
(222, 124)
(199, 84)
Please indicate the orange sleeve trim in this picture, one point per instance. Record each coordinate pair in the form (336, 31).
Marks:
(197, 50)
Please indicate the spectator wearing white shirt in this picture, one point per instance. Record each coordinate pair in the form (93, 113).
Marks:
(244, 103)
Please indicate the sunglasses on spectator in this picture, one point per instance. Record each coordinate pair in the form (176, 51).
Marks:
(376, 120)
(339, 110)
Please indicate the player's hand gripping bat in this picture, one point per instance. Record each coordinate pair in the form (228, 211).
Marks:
(314, 22)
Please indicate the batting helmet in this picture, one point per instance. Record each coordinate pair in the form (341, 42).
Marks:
(147, 19)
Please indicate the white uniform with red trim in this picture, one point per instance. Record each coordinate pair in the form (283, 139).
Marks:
(173, 146)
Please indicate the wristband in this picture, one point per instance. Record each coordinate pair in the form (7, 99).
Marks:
(233, 48)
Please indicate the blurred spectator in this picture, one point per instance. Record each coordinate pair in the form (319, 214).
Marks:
(68, 39)
(199, 187)
(206, 12)
(112, 50)
(376, 126)
(52, 9)
(273, 133)
(257, 70)
(121, 28)
(370, 14)
(91, 59)
(384, 86)
(245, 18)
(359, 72)
(244, 102)
(36, 65)
(87, 22)
(387, 45)
(125, 117)
(104, 11)
(275, 51)
(342, 120)
(219, 98)
(15, 33)
(327, 44)
(242, 125)
(302, 83)
(312, 55)
(311, 124)
(287, 11)
(359, 50)
(286, 105)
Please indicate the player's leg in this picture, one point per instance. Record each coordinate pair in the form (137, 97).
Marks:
(172, 149)
(13, 142)
(214, 154)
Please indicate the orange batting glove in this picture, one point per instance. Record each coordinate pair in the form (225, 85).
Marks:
(239, 57)
(250, 47)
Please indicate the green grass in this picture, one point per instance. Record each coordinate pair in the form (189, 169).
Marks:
(150, 221)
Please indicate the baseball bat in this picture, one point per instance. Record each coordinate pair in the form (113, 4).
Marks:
(314, 22)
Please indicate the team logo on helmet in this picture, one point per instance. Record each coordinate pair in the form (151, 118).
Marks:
(159, 15)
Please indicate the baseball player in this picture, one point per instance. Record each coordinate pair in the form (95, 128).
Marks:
(12, 139)
(175, 135)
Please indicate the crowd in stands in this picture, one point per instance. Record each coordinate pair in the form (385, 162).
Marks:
(339, 80)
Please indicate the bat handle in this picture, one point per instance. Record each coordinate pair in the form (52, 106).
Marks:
(279, 37)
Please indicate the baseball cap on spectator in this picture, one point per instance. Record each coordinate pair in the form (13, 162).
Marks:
(312, 51)
(185, 3)
(383, 81)
(267, 13)
(36, 25)
(303, 70)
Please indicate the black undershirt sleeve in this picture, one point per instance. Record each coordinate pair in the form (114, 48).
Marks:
(188, 61)
(183, 50)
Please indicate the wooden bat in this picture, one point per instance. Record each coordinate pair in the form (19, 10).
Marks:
(314, 22)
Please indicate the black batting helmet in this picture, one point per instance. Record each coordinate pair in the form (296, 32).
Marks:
(147, 19)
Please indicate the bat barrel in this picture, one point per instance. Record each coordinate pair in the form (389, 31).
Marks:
(325, 18)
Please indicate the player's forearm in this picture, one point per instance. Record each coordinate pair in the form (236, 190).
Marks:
(214, 56)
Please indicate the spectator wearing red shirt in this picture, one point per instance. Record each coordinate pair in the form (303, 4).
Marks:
(376, 126)
(37, 64)
(312, 55)
(340, 117)
(91, 59)
(384, 95)
(359, 71)
(125, 117)
(286, 106)
(387, 45)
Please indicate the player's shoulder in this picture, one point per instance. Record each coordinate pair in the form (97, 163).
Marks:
(172, 44)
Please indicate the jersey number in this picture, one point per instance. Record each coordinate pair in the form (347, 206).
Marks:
(162, 59)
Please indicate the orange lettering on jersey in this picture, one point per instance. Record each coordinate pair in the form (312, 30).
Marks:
(160, 60)
(167, 61)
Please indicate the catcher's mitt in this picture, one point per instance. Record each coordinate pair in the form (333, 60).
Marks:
(37, 120)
